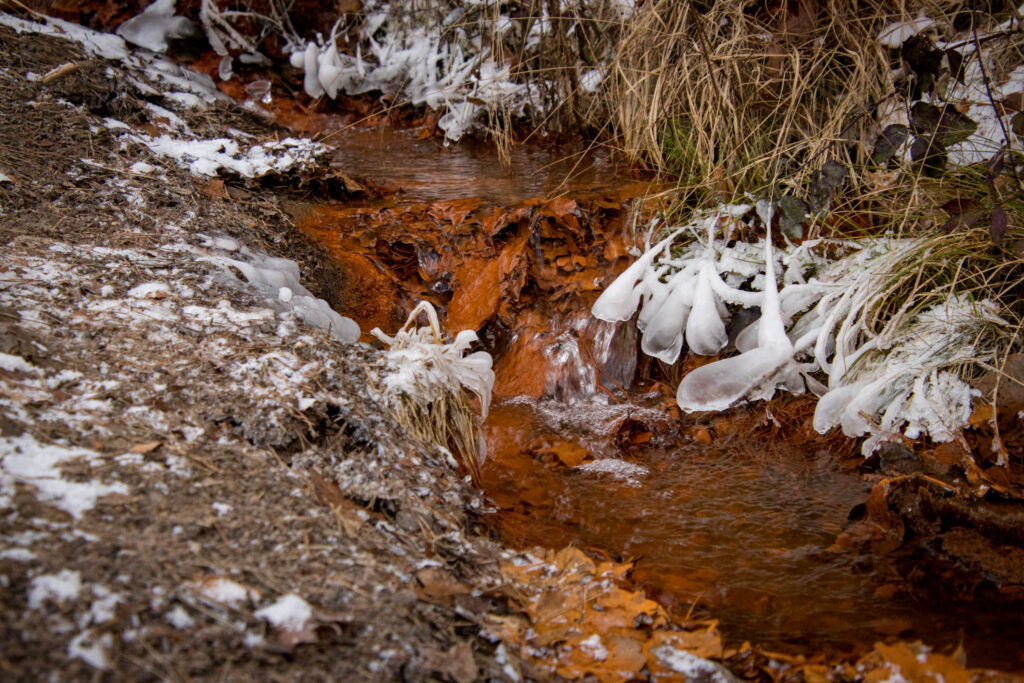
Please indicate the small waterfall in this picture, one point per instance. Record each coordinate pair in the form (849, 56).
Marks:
(586, 351)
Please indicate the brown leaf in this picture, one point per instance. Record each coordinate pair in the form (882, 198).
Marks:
(963, 214)
(438, 583)
(147, 447)
(350, 517)
(461, 664)
(215, 189)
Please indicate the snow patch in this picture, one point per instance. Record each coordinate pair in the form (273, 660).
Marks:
(23, 459)
(895, 34)
(289, 613)
(91, 649)
(60, 587)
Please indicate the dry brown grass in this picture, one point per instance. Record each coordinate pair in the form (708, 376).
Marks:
(737, 99)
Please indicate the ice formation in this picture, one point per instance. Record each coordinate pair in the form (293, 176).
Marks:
(278, 280)
(813, 333)
(448, 64)
(424, 369)
(155, 26)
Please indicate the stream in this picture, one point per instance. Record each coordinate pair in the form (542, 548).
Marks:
(721, 521)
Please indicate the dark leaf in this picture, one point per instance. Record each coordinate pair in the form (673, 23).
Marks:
(930, 152)
(1017, 124)
(963, 213)
(998, 227)
(833, 173)
(924, 118)
(921, 55)
(955, 127)
(923, 59)
(792, 216)
(956, 64)
(818, 194)
(947, 124)
(888, 142)
(1014, 101)
(995, 166)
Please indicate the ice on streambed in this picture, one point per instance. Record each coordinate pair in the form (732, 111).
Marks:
(156, 26)
(278, 280)
(812, 334)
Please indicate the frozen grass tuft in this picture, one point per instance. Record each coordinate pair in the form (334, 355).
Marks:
(426, 386)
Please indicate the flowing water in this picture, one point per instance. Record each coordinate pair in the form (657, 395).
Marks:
(426, 170)
(720, 523)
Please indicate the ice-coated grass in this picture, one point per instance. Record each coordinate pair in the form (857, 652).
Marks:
(830, 329)
(426, 383)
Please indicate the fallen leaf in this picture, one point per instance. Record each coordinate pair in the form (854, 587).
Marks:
(215, 188)
(147, 447)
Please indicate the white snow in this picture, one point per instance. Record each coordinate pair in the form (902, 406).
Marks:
(60, 587)
(691, 666)
(150, 290)
(16, 364)
(224, 591)
(155, 26)
(208, 157)
(895, 34)
(594, 648)
(289, 612)
(179, 618)
(104, 608)
(17, 554)
(91, 649)
(104, 45)
(25, 460)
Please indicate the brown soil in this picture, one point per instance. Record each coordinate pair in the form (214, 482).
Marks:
(226, 476)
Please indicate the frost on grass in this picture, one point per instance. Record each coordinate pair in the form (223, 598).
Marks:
(422, 367)
(426, 380)
(447, 56)
(813, 332)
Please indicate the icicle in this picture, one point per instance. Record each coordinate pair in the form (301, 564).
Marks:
(619, 302)
(705, 331)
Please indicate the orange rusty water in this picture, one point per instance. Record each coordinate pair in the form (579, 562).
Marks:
(728, 527)
(427, 170)
(740, 530)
